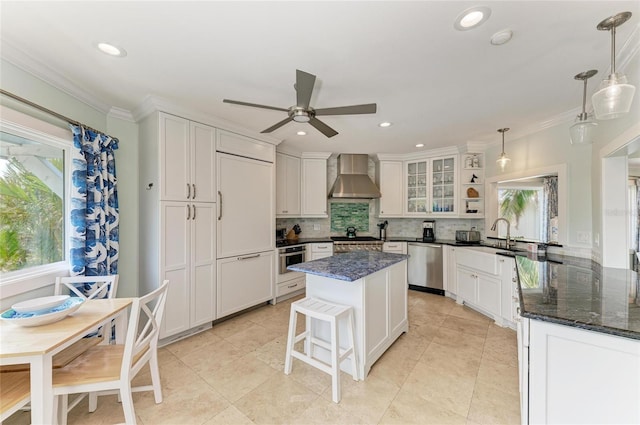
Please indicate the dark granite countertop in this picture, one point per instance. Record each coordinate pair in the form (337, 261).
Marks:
(301, 241)
(579, 292)
(349, 266)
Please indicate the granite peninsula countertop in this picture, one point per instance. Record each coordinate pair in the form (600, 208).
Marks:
(349, 266)
(580, 293)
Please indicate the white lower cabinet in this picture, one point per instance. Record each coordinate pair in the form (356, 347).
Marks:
(395, 247)
(478, 281)
(319, 250)
(187, 260)
(449, 268)
(244, 281)
(580, 376)
(290, 286)
(509, 299)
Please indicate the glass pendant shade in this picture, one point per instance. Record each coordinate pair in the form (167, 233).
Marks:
(503, 160)
(614, 97)
(582, 132)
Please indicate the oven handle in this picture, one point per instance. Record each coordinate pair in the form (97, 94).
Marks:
(291, 254)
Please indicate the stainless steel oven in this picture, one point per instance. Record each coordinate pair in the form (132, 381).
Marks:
(289, 256)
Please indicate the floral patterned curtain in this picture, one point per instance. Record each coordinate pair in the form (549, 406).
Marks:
(550, 206)
(94, 204)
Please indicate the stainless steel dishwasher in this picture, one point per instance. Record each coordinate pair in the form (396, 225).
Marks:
(425, 267)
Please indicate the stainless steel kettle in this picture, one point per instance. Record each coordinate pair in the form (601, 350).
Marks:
(351, 232)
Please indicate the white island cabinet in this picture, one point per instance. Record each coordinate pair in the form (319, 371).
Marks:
(375, 285)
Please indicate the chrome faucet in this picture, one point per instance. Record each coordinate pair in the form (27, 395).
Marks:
(495, 224)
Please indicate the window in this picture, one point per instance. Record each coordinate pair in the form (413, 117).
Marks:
(31, 203)
(522, 205)
(34, 169)
(534, 202)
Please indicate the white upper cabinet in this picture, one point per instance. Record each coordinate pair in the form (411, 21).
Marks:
(287, 186)
(314, 185)
(203, 158)
(416, 200)
(389, 178)
(443, 183)
(237, 144)
(187, 160)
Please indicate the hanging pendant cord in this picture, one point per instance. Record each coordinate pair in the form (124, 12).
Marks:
(46, 110)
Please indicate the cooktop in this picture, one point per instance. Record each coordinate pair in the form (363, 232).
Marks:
(356, 239)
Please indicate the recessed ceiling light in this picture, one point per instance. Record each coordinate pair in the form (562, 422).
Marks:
(420, 145)
(384, 124)
(471, 18)
(301, 133)
(501, 37)
(111, 50)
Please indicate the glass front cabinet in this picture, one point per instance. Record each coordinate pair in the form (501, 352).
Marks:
(431, 187)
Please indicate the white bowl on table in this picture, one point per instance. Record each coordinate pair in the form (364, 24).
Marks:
(40, 305)
(38, 319)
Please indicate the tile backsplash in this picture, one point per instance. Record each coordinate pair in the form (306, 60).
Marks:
(352, 214)
(398, 227)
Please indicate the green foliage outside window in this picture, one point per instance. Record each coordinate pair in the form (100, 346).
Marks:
(31, 218)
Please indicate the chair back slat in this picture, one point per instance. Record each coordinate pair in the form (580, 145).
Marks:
(88, 287)
(144, 329)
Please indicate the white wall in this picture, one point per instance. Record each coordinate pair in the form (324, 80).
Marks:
(546, 148)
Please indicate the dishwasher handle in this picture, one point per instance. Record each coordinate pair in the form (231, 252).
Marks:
(425, 244)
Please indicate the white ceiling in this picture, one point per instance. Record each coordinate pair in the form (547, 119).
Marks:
(439, 86)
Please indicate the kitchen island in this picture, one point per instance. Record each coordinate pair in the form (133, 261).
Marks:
(578, 341)
(375, 285)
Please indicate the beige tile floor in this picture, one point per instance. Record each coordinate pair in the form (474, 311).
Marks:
(454, 366)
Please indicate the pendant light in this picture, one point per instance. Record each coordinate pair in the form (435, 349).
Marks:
(582, 131)
(615, 95)
(503, 159)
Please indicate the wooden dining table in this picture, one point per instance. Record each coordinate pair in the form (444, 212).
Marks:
(37, 345)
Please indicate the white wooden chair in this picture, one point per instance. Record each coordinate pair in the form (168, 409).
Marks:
(89, 287)
(108, 369)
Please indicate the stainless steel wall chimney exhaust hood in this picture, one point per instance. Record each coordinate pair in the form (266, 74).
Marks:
(353, 180)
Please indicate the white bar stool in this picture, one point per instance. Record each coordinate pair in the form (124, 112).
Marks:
(314, 308)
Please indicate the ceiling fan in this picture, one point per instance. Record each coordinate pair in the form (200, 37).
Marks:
(302, 112)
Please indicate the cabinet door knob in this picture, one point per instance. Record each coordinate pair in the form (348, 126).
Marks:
(194, 211)
(188, 212)
(219, 205)
(188, 191)
(194, 190)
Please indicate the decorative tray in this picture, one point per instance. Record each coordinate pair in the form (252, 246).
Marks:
(50, 316)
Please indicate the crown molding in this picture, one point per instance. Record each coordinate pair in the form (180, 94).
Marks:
(152, 104)
(121, 114)
(29, 64)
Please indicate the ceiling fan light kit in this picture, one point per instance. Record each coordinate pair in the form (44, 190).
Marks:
(583, 129)
(303, 113)
(615, 95)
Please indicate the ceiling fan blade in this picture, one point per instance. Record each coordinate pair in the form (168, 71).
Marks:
(304, 88)
(369, 108)
(255, 105)
(322, 127)
(277, 126)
